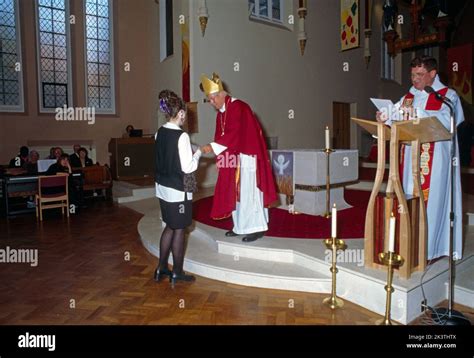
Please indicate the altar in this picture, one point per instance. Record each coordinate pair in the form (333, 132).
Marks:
(301, 178)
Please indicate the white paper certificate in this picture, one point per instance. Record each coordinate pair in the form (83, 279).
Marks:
(387, 107)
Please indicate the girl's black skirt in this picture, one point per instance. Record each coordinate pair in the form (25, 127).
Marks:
(177, 215)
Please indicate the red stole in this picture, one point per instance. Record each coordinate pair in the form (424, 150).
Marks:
(239, 130)
(427, 149)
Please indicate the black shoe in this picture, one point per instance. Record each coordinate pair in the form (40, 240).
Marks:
(175, 277)
(254, 236)
(160, 273)
(231, 233)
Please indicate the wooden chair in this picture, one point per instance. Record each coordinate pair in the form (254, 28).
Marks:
(97, 177)
(50, 201)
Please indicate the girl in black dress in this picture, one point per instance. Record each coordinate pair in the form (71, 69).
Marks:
(174, 164)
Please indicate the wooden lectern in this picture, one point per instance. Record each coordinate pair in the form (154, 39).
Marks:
(410, 210)
(132, 158)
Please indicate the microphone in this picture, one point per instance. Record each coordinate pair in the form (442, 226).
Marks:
(438, 96)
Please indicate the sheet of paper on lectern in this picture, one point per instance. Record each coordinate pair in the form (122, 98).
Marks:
(387, 106)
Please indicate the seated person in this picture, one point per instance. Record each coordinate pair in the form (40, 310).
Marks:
(74, 157)
(128, 129)
(20, 160)
(58, 151)
(32, 165)
(75, 188)
(51, 153)
(61, 166)
(84, 160)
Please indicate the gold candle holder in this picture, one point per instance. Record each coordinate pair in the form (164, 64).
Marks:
(328, 152)
(290, 202)
(334, 244)
(391, 260)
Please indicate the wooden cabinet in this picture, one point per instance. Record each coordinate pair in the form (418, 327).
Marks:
(132, 158)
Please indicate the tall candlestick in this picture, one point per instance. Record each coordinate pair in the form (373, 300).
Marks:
(327, 138)
(391, 238)
(334, 222)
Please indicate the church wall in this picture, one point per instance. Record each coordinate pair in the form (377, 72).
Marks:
(168, 71)
(272, 75)
(274, 78)
(135, 24)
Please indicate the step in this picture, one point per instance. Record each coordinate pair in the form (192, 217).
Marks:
(121, 189)
(124, 192)
(371, 165)
(366, 185)
(464, 295)
(204, 259)
(302, 265)
(274, 254)
(138, 194)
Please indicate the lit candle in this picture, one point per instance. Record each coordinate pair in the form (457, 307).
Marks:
(391, 238)
(334, 222)
(327, 138)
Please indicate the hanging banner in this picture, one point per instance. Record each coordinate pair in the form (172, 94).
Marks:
(460, 60)
(349, 24)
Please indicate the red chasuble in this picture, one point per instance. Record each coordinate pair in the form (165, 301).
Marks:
(239, 130)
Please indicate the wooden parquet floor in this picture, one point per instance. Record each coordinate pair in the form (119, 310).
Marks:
(94, 270)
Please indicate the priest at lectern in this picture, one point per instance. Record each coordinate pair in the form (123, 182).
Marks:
(435, 157)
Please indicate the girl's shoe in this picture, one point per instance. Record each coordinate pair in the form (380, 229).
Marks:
(160, 273)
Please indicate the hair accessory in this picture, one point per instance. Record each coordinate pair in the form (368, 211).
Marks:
(164, 107)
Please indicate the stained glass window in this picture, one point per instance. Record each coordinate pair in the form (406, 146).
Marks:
(11, 84)
(99, 55)
(268, 10)
(54, 50)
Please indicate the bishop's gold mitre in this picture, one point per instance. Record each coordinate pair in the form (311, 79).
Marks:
(212, 85)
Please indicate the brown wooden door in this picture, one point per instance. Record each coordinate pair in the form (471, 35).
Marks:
(341, 122)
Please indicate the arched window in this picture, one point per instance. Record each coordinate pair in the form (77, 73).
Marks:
(99, 55)
(54, 54)
(11, 74)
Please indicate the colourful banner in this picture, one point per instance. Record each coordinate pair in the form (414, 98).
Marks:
(460, 71)
(349, 24)
(185, 62)
(191, 124)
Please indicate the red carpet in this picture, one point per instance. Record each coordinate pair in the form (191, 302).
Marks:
(350, 221)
